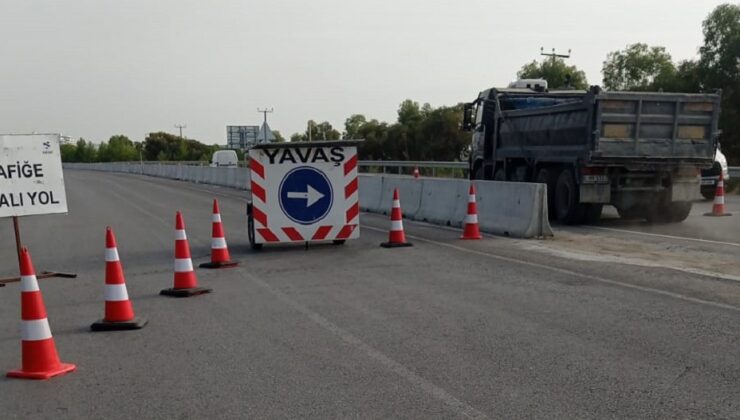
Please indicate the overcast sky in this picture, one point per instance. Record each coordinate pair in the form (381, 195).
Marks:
(94, 68)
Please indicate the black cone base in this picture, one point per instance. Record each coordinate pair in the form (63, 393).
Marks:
(185, 292)
(134, 324)
(718, 215)
(396, 244)
(225, 264)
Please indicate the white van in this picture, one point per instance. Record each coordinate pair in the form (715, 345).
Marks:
(224, 159)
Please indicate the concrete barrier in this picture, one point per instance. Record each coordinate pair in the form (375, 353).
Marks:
(371, 191)
(226, 177)
(409, 190)
(506, 208)
(444, 201)
(515, 209)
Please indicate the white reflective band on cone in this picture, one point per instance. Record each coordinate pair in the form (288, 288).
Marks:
(216, 218)
(111, 254)
(218, 243)
(183, 265)
(471, 218)
(180, 234)
(396, 225)
(720, 199)
(35, 330)
(115, 292)
(471, 198)
(29, 283)
(396, 203)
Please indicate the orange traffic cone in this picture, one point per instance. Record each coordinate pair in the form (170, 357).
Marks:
(416, 171)
(471, 219)
(40, 358)
(396, 236)
(718, 208)
(119, 313)
(219, 250)
(186, 284)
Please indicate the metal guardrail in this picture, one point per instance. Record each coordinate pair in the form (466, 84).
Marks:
(426, 168)
(734, 171)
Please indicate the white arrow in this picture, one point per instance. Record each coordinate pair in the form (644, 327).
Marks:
(311, 195)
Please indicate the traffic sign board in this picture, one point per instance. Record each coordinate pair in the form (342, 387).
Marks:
(306, 195)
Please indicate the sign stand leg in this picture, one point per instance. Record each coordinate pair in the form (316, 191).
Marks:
(18, 245)
(17, 229)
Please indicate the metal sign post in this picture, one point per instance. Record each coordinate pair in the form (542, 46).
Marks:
(31, 183)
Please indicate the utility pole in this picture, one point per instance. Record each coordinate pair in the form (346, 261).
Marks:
(264, 113)
(553, 54)
(181, 126)
(310, 126)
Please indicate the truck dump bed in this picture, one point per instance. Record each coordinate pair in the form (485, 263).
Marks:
(608, 127)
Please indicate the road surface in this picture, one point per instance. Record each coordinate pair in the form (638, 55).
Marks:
(498, 328)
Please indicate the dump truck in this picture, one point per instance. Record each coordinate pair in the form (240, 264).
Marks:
(641, 152)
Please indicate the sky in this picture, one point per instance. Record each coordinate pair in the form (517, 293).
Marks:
(96, 68)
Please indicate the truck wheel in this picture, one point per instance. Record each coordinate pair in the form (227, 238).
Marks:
(544, 176)
(634, 212)
(679, 211)
(708, 194)
(567, 208)
(500, 175)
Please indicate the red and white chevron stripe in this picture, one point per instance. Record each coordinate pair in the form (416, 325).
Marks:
(272, 234)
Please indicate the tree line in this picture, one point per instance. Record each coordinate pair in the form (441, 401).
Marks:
(156, 146)
(423, 132)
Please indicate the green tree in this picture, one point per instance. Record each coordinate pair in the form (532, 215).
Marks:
(719, 68)
(278, 137)
(639, 67)
(556, 72)
(119, 148)
(166, 146)
(68, 152)
(318, 132)
(352, 126)
(85, 152)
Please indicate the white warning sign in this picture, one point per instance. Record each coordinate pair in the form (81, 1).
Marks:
(31, 179)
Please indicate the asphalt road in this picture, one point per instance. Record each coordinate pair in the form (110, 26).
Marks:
(695, 226)
(444, 329)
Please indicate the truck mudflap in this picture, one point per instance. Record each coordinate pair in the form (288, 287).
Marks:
(686, 189)
(595, 193)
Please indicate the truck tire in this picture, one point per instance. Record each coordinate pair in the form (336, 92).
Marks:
(567, 208)
(500, 175)
(634, 212)
(545, 176)
(679, 211)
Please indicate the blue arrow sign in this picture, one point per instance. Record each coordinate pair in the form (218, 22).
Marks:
(305, 195)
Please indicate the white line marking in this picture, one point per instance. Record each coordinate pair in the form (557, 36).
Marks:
(683, 238)
(430, 388)
(570, 273)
